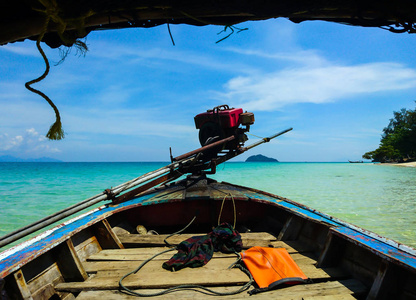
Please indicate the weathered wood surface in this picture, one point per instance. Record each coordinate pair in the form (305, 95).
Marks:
(216, 263)
(139, 254)
(110, 269)
(48, 276)
(142, 254)
(106, 236)
(22, 285)
(250, 239)
(69, 263)
(149, 278)
(329, 290)
(108, 266)
(154, 240)
(152, 275)
(87, 247)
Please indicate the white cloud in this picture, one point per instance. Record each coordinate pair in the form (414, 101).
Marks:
(124, 122)
(24, 49)
(13, 91)
(92, 120)
(156, 57)
(30, 143)
(303, 57)
(7, 143)
(316, 83)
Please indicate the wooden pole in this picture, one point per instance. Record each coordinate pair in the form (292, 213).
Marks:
(266, 140)
(158, 176)
(26, 230)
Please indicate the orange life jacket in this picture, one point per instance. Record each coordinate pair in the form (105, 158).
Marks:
(272, 267)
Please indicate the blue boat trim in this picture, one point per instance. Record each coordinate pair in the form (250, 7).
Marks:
(375, 243)
(60, 233)
(293, 207)
(316, 215)
(15, 257)
(382, 249)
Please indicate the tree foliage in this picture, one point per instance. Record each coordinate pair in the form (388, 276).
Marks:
(398, 141)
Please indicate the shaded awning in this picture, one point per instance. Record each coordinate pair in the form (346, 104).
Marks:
(64, 21)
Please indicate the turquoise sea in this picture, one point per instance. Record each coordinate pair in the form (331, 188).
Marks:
(379, 198)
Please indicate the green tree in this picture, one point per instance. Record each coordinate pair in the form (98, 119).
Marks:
(398, 141)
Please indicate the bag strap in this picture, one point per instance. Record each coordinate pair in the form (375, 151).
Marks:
(278, 283)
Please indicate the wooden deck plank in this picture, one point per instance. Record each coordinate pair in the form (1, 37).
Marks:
(331, 297)
(250, 239)
(293, 246)
(154, 269)
(108, 265)
(136, 253)
(154, 250)
(331, 290)
(310, 270)
(140, 254)
(217, 265)
(215, 273)
(160, 280)
(114, 258)
(123, 255)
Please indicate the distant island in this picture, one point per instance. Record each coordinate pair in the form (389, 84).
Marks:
(9, 158)
(260, 158)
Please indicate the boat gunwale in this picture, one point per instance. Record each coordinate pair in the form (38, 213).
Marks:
(29, 250)
(333, 220)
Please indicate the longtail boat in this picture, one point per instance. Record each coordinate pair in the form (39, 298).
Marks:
(116, 251)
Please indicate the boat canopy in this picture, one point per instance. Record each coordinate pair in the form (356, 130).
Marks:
(66, 21)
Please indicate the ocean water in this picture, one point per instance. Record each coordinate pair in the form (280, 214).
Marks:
(378, 198)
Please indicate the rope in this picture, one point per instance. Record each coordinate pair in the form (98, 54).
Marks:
(226, 26)
(222, 205)
(55, 131)
(191, 287)
(57, 15)
(232, 27)
(255, 135)
(136, 270)
(52, 12)
(170, 33)
(178, 232)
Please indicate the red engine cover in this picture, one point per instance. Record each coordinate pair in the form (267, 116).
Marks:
(227, 118)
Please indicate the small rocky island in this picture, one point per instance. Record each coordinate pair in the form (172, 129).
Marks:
(260, 158)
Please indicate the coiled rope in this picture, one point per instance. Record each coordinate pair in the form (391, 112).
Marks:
(191, 287)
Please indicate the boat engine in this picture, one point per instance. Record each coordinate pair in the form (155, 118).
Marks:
(222, 122)
(222, 134)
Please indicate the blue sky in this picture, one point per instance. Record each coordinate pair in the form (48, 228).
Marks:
(134, 94)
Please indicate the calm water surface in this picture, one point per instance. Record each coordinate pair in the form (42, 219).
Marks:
(378, 198)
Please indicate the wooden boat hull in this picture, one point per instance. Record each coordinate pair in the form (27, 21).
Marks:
(86, 256)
